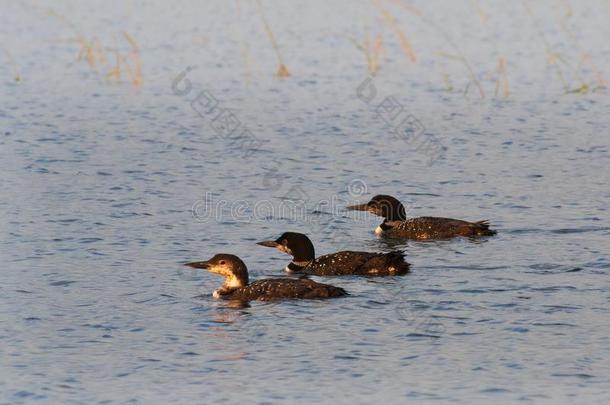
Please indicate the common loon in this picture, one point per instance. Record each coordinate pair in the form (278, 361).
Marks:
(396, 223)
(336, 264)
(236, 286)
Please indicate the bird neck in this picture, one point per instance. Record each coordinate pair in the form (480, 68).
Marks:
(296, 266)
(303, 253)
(397, 213)
(384, 225)
(234, 281)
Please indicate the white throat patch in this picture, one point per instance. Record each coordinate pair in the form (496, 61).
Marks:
(232, 282)
(378, 230)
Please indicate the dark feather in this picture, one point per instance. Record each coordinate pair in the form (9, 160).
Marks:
(436, 228)
(284, 288)
(359, 263)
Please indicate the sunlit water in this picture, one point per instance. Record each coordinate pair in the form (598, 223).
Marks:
(104, 196)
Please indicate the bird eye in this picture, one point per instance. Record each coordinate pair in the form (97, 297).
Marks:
(222, 262)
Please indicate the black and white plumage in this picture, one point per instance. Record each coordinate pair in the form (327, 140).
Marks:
(396, 223)
(285, 288)
(343, 263)
(237, 286)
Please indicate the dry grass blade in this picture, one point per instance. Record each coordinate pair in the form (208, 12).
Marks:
(408, 7)
(243, 46)
(461, 57)
(473, 78)
(282, 70)
(502, 80)
(391, 21)
(585, 57)
(377, 47)
(115, 72)
(95, 54)
(134, 69)
(554, 58)
(12, 64)
(370, 53)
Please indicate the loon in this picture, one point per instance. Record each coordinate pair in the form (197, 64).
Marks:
(336, 264)
(423, 228)
(236, 286)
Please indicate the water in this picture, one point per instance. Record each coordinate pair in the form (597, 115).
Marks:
(104, 190)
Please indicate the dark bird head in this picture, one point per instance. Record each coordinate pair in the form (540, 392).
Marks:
(295, 244)
(231, 267)
(384, 206)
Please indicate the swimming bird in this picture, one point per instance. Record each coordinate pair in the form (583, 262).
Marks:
(237, 287)
(396, 223)
(304, 261)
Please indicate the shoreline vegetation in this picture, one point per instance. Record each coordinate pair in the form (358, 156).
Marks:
(577, 72)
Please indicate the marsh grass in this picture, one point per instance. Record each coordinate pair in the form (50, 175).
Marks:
(11, 63)
(456, 55)
(558, 61)
(132, 61)
(370, 52)
(96, 57)
(473, 77)
(244, 48)
(584, 55)
(445, 76)
(391, 21)
(575, 68)
(502, 86)
(282, 70)
(407, 6)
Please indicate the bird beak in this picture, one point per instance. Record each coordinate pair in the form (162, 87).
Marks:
(199, 265)
(268, 243)
(358, 207)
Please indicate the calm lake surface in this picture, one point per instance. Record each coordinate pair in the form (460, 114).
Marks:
(110, 182)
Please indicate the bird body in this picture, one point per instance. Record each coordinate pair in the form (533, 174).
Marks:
(237, 286)
(424, 228)
(358, 263)
(272, 289)
(396, 224)
(342, 263)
